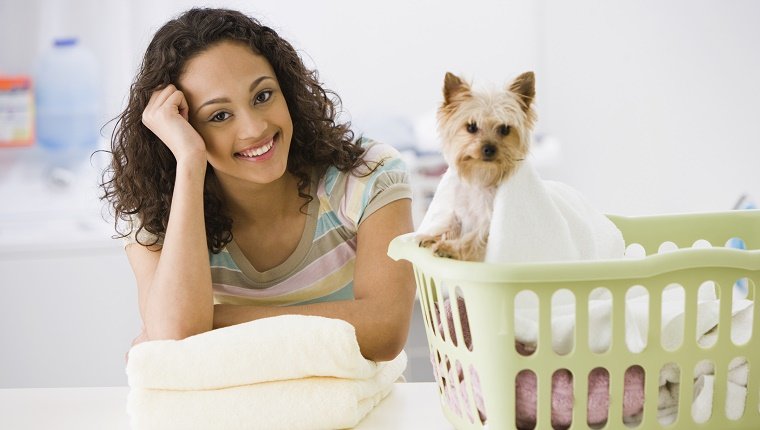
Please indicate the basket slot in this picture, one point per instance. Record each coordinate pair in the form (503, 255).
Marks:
(563, 317)
(672, 400)
(598, 386)
(708, 290)
(525, 406)
(632, 378)
(464, 322)
(563, 409)
(743, 290)
(736, 410)
(672, 298)
(703, 411)
(525, 303)
(603, 299)
(440, 325)
(637, 311)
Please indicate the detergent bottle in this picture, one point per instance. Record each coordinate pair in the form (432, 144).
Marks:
(68, 99)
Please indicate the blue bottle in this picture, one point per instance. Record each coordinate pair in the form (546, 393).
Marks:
(67, 97)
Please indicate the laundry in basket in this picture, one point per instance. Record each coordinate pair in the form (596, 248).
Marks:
(491, 364)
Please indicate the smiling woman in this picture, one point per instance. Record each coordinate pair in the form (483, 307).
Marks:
(240, 197)
(239, 122)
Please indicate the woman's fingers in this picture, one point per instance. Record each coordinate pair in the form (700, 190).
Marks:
(179, 103)
(165, 105)
(162, 95)
(167, 116)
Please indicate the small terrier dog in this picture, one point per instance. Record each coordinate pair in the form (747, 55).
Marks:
(485, 135)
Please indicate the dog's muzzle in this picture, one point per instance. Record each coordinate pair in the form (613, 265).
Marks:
(488, 151)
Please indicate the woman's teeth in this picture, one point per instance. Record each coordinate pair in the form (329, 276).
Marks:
(257, 152)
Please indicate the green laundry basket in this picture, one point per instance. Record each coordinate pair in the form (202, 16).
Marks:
(488, 361)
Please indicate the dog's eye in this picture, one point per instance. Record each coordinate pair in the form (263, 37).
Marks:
(472, 127)
(504, 130)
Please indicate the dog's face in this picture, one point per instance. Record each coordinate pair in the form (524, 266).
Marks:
(486, 134)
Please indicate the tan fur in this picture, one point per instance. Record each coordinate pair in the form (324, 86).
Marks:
(485, 135)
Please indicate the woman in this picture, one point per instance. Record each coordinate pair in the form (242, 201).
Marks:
(243, 196)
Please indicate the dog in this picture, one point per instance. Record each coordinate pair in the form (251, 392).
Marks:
(485, 136)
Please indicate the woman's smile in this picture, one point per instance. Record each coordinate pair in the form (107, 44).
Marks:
(260, 151)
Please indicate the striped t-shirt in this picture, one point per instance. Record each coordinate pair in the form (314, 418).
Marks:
(322, 266)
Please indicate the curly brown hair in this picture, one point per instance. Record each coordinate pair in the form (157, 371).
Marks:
(139, 181)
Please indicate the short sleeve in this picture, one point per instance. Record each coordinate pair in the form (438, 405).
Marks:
(390, 184)
(132, 226)
(358, 194)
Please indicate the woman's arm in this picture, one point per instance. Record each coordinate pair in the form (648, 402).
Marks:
(383, 290)
(174, 284)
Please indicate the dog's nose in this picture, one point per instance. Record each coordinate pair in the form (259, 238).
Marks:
(488, 151)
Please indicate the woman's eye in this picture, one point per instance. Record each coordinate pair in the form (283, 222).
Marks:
(263, 96)
(220, 116)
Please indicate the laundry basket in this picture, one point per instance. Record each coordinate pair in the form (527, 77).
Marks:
(477, 362)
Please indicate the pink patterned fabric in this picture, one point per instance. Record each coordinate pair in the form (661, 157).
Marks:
(455, 392)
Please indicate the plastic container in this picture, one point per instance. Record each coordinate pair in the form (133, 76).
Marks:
(68, 93)
(16, 111)
(490, 362)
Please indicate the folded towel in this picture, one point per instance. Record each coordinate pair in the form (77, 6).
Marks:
(300, 404)
(285, 372)
(269, 349)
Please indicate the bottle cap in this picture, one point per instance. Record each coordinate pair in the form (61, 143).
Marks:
(65, 41)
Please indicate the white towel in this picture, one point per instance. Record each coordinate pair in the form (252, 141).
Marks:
(286, 372)
(536, 220)
(299, 404)
(269, 349)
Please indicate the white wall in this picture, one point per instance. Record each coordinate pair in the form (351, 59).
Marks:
(655, 102)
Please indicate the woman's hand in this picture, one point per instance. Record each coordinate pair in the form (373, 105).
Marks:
(167, 117)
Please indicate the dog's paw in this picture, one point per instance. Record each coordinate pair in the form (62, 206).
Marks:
(428, 241)
(446, 250)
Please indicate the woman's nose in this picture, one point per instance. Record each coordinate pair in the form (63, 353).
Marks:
(252, 125)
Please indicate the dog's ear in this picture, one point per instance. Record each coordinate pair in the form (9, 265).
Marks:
(525, 88)
(453, 85)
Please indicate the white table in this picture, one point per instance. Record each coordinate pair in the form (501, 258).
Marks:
(410, 406)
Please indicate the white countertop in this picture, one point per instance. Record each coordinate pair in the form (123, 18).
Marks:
(410, 406)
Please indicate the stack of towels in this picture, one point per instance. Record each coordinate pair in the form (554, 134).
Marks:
(289, 372)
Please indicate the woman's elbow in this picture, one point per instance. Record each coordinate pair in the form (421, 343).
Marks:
(175, 331)
(387, 347)
(388, 353)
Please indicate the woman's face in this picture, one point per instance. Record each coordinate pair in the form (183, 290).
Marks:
(236, 105)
